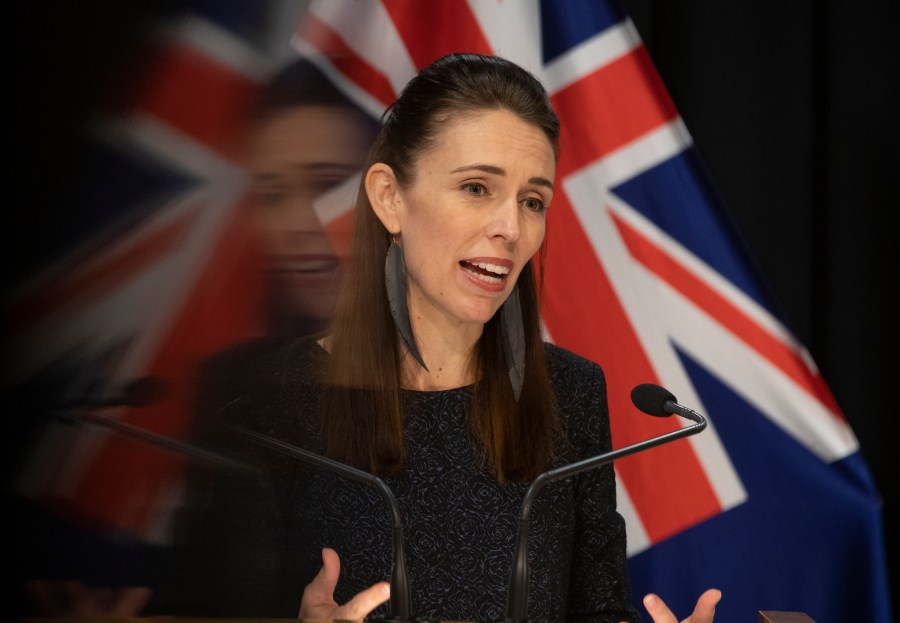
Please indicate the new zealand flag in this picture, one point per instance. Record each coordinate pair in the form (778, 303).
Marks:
(646, 275)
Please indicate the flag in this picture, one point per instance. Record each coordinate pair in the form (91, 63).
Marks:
(159, 274)
(646, 275)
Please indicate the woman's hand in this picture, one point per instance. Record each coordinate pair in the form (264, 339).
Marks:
(703, 612)
(73, 598)
(318, 597)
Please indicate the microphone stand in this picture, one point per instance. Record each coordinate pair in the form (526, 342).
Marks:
(517, 604)
(400, 593)
(151, 438)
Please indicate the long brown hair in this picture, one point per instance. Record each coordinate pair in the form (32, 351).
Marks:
(362, 418)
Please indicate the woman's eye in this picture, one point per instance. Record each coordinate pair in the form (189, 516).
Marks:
(474, 188)
(270, 197)
(317, 185)
(535, 204)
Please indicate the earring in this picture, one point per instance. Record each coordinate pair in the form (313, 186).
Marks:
(513, 331)
(395, 280)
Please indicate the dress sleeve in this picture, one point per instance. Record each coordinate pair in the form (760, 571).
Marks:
(599, 588)
(227, 557)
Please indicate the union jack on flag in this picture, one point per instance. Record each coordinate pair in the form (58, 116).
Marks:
(645, 275)
(160, 275)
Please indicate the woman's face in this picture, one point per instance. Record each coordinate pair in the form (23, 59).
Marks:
(474, 215)
(297, 155)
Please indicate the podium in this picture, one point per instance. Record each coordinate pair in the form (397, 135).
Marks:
(765, 616)
(775, 616)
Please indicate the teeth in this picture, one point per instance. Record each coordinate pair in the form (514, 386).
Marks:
(500, 270)
(308, 266)
(486, 278)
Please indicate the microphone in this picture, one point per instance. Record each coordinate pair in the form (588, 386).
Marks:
(401, 601)
(652, 400)
(145, 391)
(140, 392)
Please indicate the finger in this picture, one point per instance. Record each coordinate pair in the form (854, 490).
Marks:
(331, 565)
(80, 600)
(93, 601)
(705, 609)
(130, 601)
(318, 596)
(364, 602)
(658, 609)
(322, 586)
(44, 598)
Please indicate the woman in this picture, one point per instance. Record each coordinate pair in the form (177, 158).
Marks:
(434, 376)
(306, 138)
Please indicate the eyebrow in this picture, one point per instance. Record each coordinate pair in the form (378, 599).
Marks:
(309, 167)
(489, 168)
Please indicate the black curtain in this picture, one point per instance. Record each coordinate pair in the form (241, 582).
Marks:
(791, 105)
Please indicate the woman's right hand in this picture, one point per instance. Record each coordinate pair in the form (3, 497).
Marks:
(72, 598)
(318, 597)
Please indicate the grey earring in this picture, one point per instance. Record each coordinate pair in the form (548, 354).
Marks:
(395, 280)
(513, 340)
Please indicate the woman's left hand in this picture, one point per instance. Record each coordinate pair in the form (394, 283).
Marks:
(318, 602)
(703, 612)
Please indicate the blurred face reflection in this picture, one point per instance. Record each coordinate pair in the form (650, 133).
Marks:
(297, 155)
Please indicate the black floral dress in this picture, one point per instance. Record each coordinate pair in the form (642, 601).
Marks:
(255, 539)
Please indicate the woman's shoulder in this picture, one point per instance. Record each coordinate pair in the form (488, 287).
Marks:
(262, 354)
(580, 388)
(278, 378)
(566, 363)
(260, 366)
(298, 362)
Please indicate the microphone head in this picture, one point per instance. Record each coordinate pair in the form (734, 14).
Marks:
(652, 399)
(142, 392)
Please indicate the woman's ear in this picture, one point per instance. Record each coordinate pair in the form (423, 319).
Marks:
(384, 195)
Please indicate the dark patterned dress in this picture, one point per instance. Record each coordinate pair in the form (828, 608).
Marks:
(260, 536)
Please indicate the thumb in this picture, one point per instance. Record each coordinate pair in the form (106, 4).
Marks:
(658, 609)
(130, 601)
(331, 568)
(320, 591)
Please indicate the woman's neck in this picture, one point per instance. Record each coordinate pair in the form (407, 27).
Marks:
(448, 371)
(449, 356)
(450, 363)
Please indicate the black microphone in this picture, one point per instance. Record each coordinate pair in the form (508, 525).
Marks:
(140, 393)
(401, 601)
(654, 400)
(650, 399)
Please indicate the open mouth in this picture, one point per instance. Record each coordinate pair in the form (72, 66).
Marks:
(484, 271)
(307, 264)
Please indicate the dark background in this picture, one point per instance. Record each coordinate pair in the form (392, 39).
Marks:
(790, 104)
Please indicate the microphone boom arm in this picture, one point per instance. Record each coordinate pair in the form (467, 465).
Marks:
(149, 437)
(518, 594)
(400, 597)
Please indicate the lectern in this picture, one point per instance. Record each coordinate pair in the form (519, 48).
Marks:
(775, 616)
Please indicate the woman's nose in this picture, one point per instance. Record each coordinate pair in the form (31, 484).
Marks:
(505, 220)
